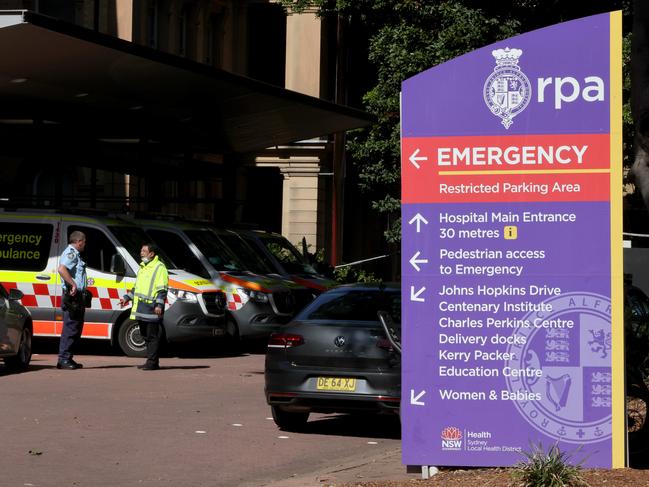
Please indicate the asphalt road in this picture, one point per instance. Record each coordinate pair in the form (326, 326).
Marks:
(200, 421)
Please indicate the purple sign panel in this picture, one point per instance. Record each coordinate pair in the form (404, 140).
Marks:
(507, 250)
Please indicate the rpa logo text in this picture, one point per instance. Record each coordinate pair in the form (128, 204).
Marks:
(507, 90)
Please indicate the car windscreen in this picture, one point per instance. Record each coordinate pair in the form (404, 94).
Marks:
(215, 251)
(287, 255)
(132, 238)
(246, 254)
(344, 304)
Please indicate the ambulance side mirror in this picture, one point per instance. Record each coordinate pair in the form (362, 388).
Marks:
(117, 265)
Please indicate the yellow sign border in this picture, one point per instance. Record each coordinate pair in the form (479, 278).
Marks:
(617, 264)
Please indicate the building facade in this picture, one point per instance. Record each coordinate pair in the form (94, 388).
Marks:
(297, 189)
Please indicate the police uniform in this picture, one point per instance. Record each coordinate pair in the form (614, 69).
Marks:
(149, 292)
(73, 314)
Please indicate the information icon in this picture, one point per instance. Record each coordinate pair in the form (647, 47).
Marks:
(510, 232)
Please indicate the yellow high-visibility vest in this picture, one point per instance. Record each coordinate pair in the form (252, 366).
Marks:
(150, 289)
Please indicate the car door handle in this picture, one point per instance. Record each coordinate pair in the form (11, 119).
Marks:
(43, 277)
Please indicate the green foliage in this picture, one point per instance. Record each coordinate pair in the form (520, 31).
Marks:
(349, 275)
(547, 469)
(636, 335)
(627, 119)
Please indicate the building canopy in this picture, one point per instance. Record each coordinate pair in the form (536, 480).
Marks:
(53, 73)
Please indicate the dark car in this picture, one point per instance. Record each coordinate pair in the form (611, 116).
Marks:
(334, 357)
(15, 330)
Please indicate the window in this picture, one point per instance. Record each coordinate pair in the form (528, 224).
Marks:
(152, 24)
(267, 260)
(25, 246)
(214, 40)
(99, 249)
(267, 43)
(246, 254)
(132, 239)
(354, 305)
(215, 250)
(186, 31)
(182, 255)
(287, 255)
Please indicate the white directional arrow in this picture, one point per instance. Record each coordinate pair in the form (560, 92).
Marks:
(415, 399)
(413, 158)
(414, 296)
(419, 220)
(414, 261)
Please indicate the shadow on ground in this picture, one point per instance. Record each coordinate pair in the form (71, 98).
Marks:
(385, 426)
(210, 348)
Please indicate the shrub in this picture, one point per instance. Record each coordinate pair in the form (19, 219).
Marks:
(547, 469)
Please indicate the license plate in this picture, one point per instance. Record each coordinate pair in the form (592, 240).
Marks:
(346, 384)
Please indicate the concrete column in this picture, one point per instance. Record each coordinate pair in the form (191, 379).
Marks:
(301, 198)
(124, 17)
(303, 53)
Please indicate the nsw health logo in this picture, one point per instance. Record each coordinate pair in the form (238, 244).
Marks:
(451, 438)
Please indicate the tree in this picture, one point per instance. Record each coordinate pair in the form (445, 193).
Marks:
(406, 37)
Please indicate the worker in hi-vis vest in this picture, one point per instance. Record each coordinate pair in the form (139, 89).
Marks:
(148, 296)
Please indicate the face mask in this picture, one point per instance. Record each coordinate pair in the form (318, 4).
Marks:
(145, 260)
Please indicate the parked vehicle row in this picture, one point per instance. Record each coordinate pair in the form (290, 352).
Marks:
(220, 285)
(256, 303)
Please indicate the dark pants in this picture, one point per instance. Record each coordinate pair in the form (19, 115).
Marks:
(152, 334)
(71, 333)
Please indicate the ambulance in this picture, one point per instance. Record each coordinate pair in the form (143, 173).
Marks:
(255, 304)
(284, 259)
(31, 243)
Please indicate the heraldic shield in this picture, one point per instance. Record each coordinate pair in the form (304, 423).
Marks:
(507, 91)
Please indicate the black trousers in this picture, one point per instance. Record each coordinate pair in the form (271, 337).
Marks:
(152, 334)
(71, 333)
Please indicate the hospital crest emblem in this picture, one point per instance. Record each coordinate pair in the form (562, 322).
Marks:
(507, 91)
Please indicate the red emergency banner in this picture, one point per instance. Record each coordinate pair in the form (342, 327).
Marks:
(573, 167)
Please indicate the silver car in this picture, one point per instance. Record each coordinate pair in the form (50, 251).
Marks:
(15, 330)
(334, 357)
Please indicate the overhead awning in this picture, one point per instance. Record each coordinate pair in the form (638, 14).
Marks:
(100, 86)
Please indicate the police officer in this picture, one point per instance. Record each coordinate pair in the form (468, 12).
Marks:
(73, 272)
(148, 296)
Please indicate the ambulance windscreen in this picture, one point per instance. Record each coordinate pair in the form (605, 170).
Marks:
(132, 238)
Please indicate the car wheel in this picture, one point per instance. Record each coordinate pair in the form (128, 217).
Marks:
(289, 421)
(130, 340)
(21, 360)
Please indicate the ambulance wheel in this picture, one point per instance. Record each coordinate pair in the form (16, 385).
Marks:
(130, 340)
(20, 361)
(232, 336)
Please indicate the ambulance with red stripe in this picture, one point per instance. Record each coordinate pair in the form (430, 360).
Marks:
(281, 257)
(31, 243)
(256, 304)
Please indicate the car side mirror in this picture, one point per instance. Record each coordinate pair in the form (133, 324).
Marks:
(15, 294)
(117, 265)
